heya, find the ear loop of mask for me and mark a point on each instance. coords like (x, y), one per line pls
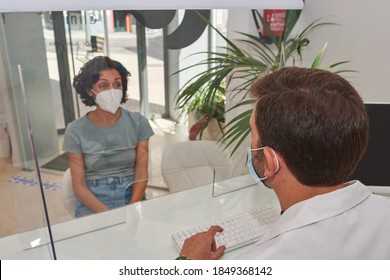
(94, 93)
(275, 158)
(277, 161)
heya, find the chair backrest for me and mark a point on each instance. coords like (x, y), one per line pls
(239, 159)
(190, 164)
(67, 195)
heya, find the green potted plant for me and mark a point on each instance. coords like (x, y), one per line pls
(244, 66)
(206, 116)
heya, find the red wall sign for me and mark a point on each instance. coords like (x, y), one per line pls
(276, 20)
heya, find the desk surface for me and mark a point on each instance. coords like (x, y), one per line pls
(139, 231)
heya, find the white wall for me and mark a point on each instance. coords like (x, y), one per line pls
(181, 59)
(362, 38)
(239, 20)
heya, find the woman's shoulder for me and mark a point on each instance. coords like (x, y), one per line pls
(78, 123)
(136, 116)
(139, 122)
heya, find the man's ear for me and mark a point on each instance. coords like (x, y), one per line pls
(271, 163)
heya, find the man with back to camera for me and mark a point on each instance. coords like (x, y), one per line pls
(309, 130)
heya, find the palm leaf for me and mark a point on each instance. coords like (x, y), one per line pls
(319, 57)
(245, 65)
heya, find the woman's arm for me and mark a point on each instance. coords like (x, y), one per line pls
(80, 188)
(141, 171)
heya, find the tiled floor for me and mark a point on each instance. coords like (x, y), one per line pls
(21, 205)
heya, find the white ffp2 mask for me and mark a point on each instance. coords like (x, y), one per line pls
(109, 100)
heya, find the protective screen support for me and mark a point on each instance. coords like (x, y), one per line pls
(37, 169)
(224, 182)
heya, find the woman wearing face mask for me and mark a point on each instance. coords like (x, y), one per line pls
(108, 147)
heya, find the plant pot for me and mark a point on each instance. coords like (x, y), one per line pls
(211, 132)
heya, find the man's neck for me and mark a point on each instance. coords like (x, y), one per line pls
(294, 192)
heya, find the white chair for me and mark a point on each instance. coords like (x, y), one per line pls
(67, 195)
(189, 164)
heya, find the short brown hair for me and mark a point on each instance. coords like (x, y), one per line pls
(89, 75)
(315, 119)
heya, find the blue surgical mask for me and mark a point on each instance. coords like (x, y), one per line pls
(259, 180)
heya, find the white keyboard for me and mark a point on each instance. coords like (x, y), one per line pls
(239, 230)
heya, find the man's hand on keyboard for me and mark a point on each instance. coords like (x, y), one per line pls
(201, 246)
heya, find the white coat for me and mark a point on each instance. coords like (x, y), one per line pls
(348, 223)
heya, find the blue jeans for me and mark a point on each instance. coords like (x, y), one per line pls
(114, 192)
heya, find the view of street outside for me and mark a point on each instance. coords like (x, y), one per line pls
(123, 48)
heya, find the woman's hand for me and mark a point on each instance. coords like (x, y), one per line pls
(141, 171)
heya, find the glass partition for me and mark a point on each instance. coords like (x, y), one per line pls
(23, 220)
(230, 184)
(51, 48)
(26, 217)
(150, 225)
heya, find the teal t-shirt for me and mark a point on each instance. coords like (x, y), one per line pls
(107, 151)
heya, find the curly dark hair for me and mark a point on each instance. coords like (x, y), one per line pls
(89, 75)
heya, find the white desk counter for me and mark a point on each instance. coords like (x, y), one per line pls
(139, 231)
